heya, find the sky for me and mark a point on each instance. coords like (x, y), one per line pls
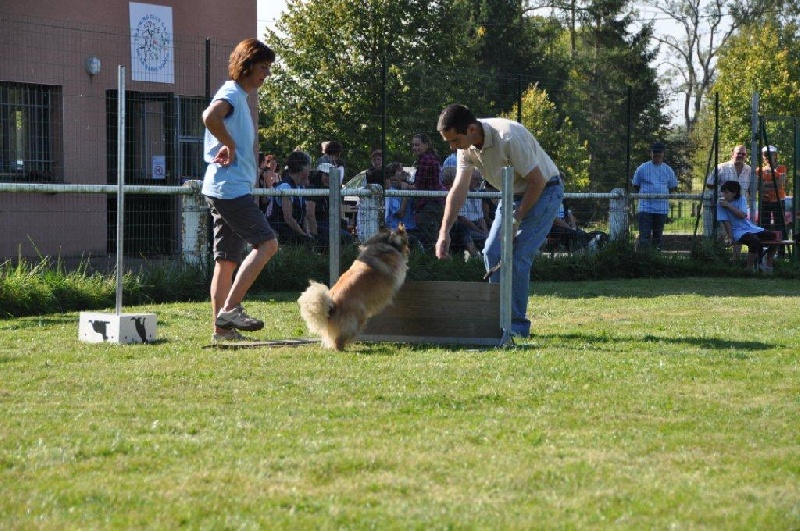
(267, 13)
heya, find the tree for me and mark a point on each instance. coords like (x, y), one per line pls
(764, 59)
(706, 27)
(514, 49)
(608, 60)
(557, 137)
(328, 82)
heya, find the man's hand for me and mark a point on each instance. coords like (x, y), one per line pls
(443, 247)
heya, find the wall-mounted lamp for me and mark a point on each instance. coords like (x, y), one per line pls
(92, 65)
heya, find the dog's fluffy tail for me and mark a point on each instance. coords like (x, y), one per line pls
(315, 307)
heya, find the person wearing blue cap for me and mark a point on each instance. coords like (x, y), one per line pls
(653, 177)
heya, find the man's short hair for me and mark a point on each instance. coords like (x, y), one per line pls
(456, 116)
(297, 161)
(333, 148)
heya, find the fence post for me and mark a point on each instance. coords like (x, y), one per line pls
(618, 215)
(194, 225)
(369, 209)
(708, 216)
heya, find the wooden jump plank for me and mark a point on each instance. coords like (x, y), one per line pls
(440, 312)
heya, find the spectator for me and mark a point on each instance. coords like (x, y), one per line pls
(398, 209)
(565, 230)
(773, 190)
(267, 178)
(450, 160)
(732, 211)
(318, 208)
(489, 204)
(332, 154)
(460, 236)
(290, 214)
(368, 212)
(471, 214)
(489, 145)
(374, 173)
(653, 177)
(734, 170)
(229, 150)
(428, 177)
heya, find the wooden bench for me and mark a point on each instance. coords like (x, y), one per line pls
(777, 240)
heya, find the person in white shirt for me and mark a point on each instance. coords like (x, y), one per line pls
(490, 144)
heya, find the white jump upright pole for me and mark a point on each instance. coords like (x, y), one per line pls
(336, 177)
(507, 253)
(120, 182)
(95, 327)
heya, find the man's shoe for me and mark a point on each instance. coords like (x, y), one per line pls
(237, 318)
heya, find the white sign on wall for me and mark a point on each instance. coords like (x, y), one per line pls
(152, 52)
(159, 165)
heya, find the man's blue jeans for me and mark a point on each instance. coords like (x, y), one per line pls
(531, 235)
(651, 229)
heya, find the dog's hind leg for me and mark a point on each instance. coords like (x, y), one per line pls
(348, 329)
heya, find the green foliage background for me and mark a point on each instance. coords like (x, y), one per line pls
(373, 73)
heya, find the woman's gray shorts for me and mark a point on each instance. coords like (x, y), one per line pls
(237, 221)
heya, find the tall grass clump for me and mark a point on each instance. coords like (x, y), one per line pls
(46, 286)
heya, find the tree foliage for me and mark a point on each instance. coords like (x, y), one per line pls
(764, 59)
(371, 73)
(705, 29)
(557, 137)
(609, 59)
(328, 82)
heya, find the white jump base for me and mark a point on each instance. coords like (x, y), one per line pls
(123, 328)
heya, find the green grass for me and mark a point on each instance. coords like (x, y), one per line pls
(639, 404)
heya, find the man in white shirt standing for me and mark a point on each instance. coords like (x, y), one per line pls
(489, 144)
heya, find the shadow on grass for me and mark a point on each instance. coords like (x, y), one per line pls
(603, 339)
(756, 286)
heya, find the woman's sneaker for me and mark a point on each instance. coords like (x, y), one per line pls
(228, 335)
(237, 318)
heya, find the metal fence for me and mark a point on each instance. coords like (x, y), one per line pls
(58, 149)
(188, 234)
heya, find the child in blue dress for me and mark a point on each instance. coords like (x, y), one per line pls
(732, 212)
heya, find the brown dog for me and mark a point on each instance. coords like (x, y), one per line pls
(364, 290)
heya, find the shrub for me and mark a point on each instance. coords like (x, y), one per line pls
(46, 287)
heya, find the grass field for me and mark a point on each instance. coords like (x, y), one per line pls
(638, 404)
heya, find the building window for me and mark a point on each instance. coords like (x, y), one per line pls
(159, 128)
(30, 133)
(190, 138)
